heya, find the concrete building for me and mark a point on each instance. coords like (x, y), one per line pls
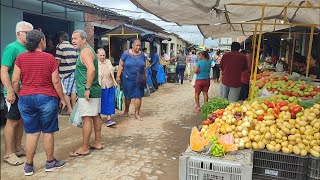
(49, 16)
(175, 44)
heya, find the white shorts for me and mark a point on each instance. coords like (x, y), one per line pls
(89, 108)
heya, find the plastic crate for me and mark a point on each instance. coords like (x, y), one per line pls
(194, 166)
(276, 165)
(314, 168)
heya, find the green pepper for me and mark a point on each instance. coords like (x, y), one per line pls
(264, 106)
(299, 114)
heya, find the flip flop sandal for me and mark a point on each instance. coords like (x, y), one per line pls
(76, 154)
(94, 148)
(20, 153)
(13, 160)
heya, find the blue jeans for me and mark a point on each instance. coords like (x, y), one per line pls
(180, 71)
(230, 93)
(39, 113)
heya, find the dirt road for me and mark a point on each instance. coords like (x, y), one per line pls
(147, 149)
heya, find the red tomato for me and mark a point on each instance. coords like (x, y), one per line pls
(292, 107)
(284, 103)
(313, 93)
(296, 109)
(295, 94)
(260, 118)
(271, 105)
(206, 122)
(276, 110)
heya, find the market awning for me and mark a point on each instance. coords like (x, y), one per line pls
(221, 18)
(125, 31)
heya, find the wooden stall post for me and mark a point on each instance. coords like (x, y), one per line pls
(257, 57)
(310, 50)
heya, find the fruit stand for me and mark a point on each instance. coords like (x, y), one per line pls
(278, 129)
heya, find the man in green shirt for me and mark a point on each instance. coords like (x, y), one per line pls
(13, 129)
(89, 93)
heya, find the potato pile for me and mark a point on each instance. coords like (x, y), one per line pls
(299, 136)
(275, 132)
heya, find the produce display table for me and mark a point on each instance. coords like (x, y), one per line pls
(233, 166)
(171, 73)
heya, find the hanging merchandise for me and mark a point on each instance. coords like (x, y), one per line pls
(118, 97)
(75, 118)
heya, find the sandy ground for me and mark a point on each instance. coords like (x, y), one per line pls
(147, 149)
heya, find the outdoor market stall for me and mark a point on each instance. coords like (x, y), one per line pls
(282, 130)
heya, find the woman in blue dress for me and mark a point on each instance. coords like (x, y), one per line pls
(132, 73)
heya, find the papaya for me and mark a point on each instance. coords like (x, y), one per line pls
(197, 143)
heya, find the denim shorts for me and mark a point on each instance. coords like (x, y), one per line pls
(39, 113)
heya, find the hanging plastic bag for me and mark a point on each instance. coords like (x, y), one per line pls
(264, 93)
(118, 97)
(279, 67)
(146, 91)
(193, 82)
(75, 118)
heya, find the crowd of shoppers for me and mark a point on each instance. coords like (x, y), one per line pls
(75, 73)
(40, 82)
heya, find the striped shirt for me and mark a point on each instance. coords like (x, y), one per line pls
(36, 73)
(67, 56)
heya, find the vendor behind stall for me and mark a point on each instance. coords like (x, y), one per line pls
(299, 64)
(314, 70)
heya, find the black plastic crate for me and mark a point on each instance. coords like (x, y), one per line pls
(276, 165)
(314, 168)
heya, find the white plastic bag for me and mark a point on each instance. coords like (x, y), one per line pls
(279, 67)
(75, 118)
(264, 93)
(193, 82)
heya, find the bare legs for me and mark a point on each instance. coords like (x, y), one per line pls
(48, 144)
(137, 107)
(197, 99)
(32, 143)
(70, 101)
(73, 99)
(97, 132)
(205, 97)
(127, 105)
(31, 146)
(86, 133)
(13, 132)
(67, 98)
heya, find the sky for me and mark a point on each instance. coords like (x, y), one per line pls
(125, 7)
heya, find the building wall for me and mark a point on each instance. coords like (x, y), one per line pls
(12, 12)
(9, 19)
(92, 20)
(176, 44)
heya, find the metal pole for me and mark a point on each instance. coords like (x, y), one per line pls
(293, 51)
(257, 56)
(109, 44)
(310, 49)
(253, 50)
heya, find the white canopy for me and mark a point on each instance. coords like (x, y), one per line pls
(215, 18)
